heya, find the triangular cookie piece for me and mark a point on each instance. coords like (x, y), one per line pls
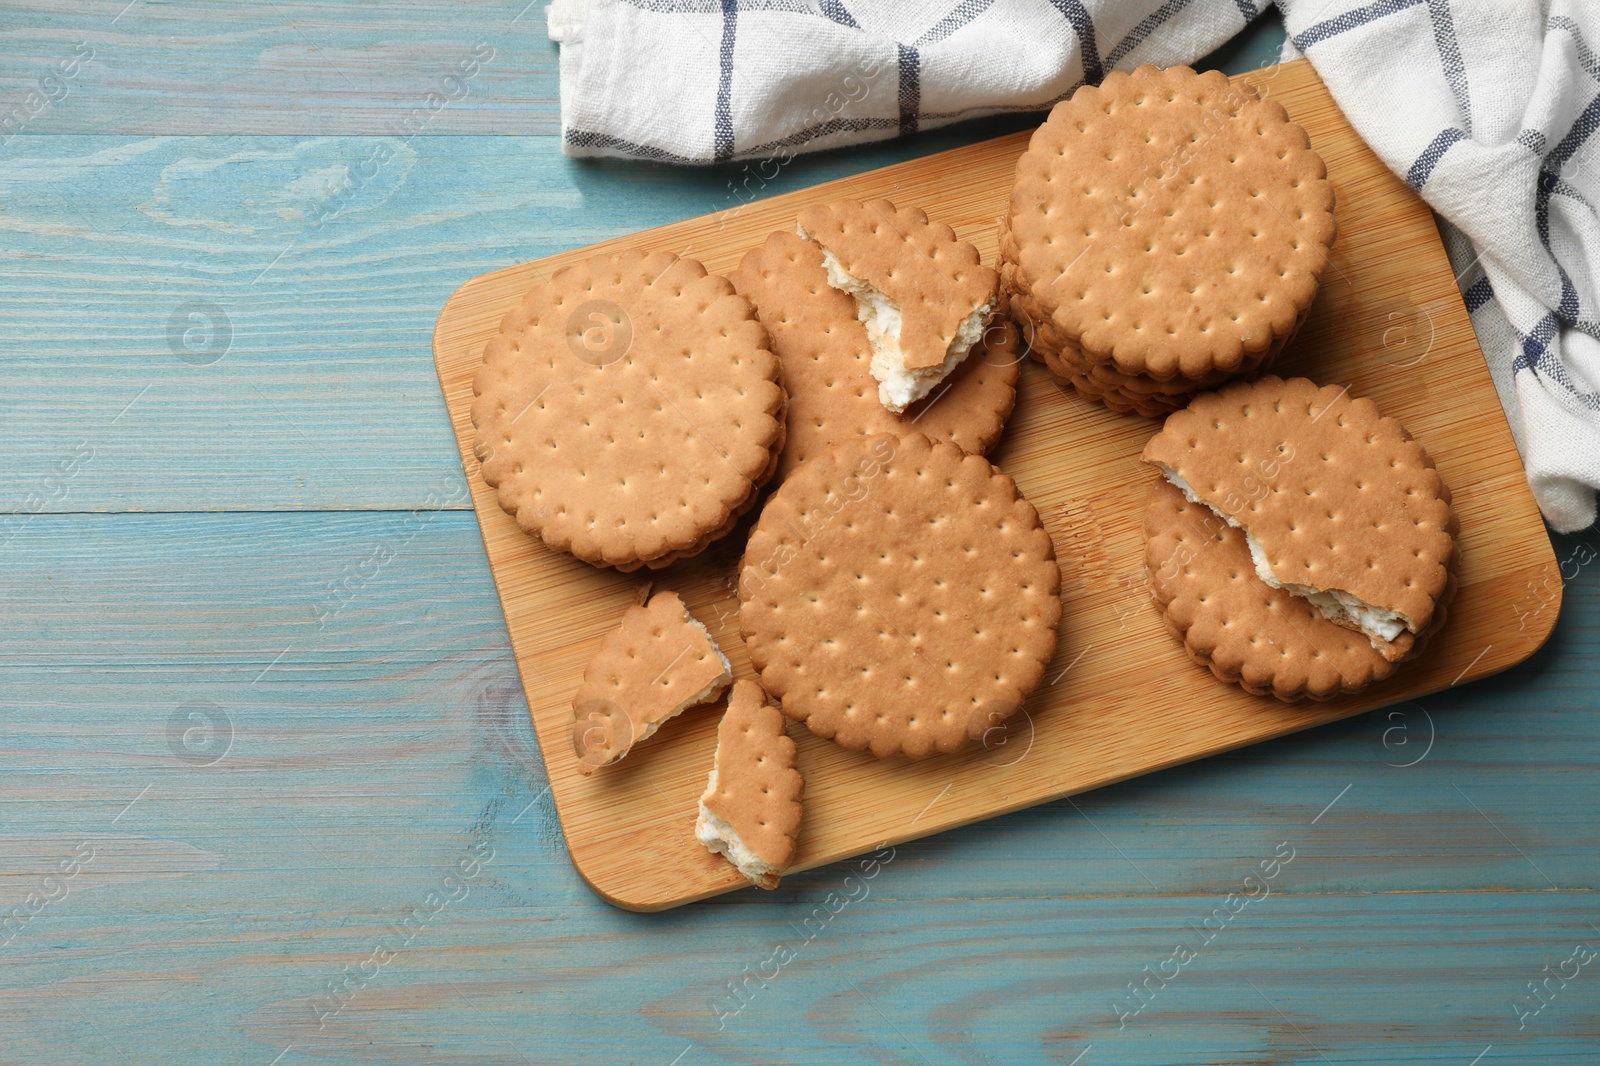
(657, 664)
(750, 811)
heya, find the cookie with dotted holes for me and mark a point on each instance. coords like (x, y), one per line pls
(1269, 641)
(656, 664)
(923, 296)
(1103, 382)
(1336, 502)
(823, 346)
(899, 596)
(750, 811)
(1168, 224)
(629, 410)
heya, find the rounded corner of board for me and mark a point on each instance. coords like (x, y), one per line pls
(447, 310)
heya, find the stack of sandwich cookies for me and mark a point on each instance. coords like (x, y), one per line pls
(899, 596)
(629, 410)
(1334, 502)
(654, 666)
(1120, 393)
(923, 296)
(750, 812)
(827, 356)
(1167, 232)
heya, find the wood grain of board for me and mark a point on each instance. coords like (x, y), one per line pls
(1121, 698)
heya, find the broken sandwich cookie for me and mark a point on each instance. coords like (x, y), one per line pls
(923, 296)
(654, 666)
(1335, 503)
(750, 811)
(827, 355)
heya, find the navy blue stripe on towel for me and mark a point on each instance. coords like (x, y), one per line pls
(724, 119)
(1444, 38)
(1418, 175)
(1350, 20)
(910, 88)
(835, 12)
(1140, 32)
(1083, 25)
(1477, 294)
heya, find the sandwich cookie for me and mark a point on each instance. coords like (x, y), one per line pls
(1335, 503)
(629, 410)
(1268, 640)
(827, 358)
(899, 596)
(750, 812)
(654, 666)
(1168, 227)
(923, 296)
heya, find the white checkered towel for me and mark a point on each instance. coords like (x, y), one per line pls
(1486, 107)
(707, 81)
(1490, 111)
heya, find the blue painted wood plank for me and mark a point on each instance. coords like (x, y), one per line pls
(193, 67)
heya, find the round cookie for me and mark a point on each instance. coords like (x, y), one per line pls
(899, 596)
(1103, 382)
(825, 353)
(1168, 224)
(629, 410)
(1338, 503)
(1269, 640)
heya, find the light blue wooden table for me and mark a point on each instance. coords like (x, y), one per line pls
(268, 790)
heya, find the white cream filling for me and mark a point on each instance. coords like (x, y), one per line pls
(720, 838)
(1380, 624)
(899, 387)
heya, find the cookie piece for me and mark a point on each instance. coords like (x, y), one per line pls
(1268, 640)
(654, 666)
(1168, 224)
(629, 410)
(750, 811)
(826, 359)
(1337, 503)
(899, 596)
(923, 296)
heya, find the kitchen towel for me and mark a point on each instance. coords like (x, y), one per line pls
(1489, 109)
(709, 81)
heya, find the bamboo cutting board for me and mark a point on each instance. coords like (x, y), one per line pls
(1121, 698)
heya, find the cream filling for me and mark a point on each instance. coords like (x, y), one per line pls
(721, 839)
(1380, 624)
(898, 386)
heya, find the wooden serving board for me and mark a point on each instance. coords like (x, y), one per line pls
(1121, 698)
